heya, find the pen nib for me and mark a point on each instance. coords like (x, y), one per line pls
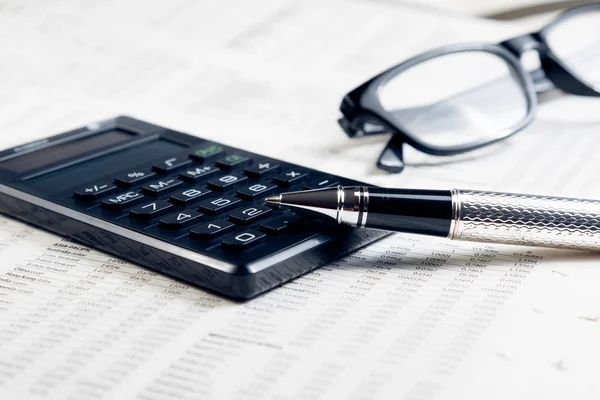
(274, 200)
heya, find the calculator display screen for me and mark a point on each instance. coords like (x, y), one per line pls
(49, 155)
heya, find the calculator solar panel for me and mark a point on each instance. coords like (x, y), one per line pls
(189, 208)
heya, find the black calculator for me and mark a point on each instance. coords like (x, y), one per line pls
(178, 204)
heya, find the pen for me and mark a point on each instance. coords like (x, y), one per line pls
(471, 215)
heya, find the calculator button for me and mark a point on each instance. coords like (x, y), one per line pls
(243, 240)
(195, 173)
(180, 219)
(290, 177)
(261, 168)
(212, 229)
(207, 151)
(219, 204)
(281, 224)
(253, 191)
(162, 186)
(250, 214)
(321, 183)
(134, 177)
(123, 200)
(94, 191)
(172, 163)
(226, 181)
(150, 210)
(232, 160)
(189, 196)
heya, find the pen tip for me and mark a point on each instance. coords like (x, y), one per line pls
(274, 200)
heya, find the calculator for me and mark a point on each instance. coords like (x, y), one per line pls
(175, 203)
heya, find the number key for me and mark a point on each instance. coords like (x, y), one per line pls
(243, 240)
(219, 204)
(250, 214)
(189, 196)
(256, 190)
(226, 181)
(212, 229)
(180, 220)
(150, 210)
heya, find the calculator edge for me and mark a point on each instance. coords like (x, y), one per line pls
(235, 281)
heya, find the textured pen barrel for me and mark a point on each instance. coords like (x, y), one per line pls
(525, 220)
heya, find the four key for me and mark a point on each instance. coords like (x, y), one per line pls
(212, 229)
(93, 191)
(150, 210)
(243, 240)
(180, 220)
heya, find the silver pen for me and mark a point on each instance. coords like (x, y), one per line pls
(478, 216)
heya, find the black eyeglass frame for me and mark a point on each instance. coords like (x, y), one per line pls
(363, 114)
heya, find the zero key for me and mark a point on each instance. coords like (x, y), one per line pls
(243, 240)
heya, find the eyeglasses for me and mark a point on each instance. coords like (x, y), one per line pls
(460, 98)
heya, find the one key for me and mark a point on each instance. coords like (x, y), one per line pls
(254, 191)
(123, 200)
(161, 186)
(172, 163)
(189, 196)
(206, 152)
(232, 160)
(196, 173)
(290, 177)
(94, 191)
(281, 224)
(321, 183)
(133, 177)
(180, 220)
(219, 204)
(150, 210)
(212, 229)
(250, 214)
(261, 168)
(243, 240)
(226, 181)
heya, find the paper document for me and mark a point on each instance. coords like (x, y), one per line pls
(409, 317)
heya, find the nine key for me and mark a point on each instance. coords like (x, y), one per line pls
(226, 181)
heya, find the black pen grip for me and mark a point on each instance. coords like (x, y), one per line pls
(427, 212)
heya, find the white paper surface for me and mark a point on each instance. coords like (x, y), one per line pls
(406, 318)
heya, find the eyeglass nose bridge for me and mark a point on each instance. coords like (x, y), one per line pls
(524, 43)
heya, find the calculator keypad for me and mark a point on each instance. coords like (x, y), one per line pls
(210, 200)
